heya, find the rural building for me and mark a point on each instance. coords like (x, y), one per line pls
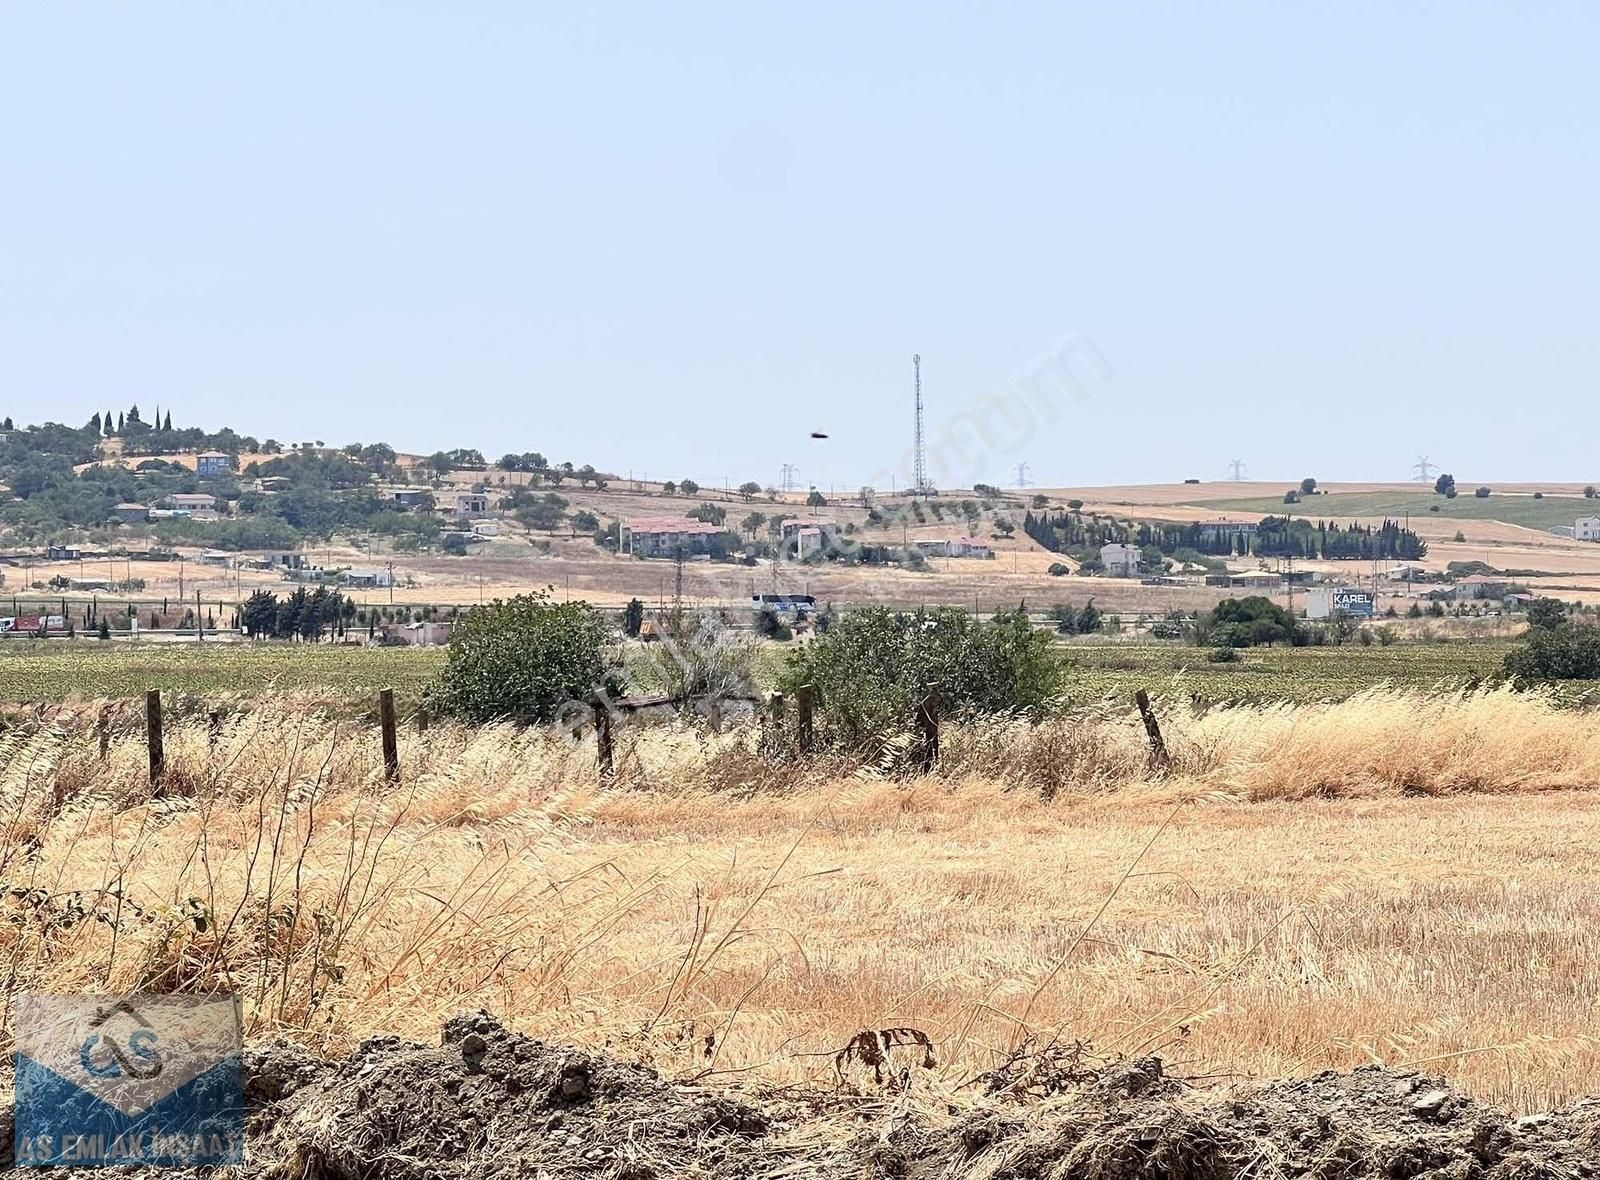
(1587, 528)
(415, 634)
(63, 553)
(1121, 561)
(214, 557)
(811, 535)
(1240, 533)
(1479, 586)
(367, 579)
(131, 513)
(666, 536)
(468, 504)
(407, 497)
(1516, 602)
(210, 463)
(191, 501)
(970, 547)
(1564, 530)
(1258, 580)
(272, 483)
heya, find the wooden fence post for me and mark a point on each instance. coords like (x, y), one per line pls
(1160, 760)
(104, 728)
(214, 728)
(772, 724)
(422, 718)
(928, 731)
(802, 702)
(152, 730)
(391, 739)
(605, 752)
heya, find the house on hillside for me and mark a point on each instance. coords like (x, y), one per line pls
(1121, 561)
(212, 463)
(215, 557)
(1587, 528)
(407, 497)
(1240, 534)
(467, 505)
(191, 501)
(810, 535)
(131, 513)
(667, 536)
(970, 547)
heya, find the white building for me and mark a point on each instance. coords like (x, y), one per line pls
(1587, 528)
(1121, 561)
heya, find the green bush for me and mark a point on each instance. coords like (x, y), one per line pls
(872, 668)
(522, 659)
(1557, 653)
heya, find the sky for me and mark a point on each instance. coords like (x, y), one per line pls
(1130, 242)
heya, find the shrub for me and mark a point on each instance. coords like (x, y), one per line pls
(522, 659)
(1460, 536)
(1057, 570)
(700, 655)
(1246, 622)
(1223, 655)
(454, 545)
(1557, 653)
(1547, 613)
(1483, 493)
(872, 668)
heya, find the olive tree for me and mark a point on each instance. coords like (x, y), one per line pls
(522, 659)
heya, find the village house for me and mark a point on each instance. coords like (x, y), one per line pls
(424, 634)
(131, 513)
(367, 579)
(1121, 561)
(970, 547)
(1587, 528)
(667, 536)
(1480, 586)
(191, 501)
(407, 497)
(212, 463)
(470, 504)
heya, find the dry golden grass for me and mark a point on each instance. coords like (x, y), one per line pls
(1396, 878)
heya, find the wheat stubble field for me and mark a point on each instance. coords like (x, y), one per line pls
(1396, 878)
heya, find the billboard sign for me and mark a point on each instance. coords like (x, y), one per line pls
(1358, 604)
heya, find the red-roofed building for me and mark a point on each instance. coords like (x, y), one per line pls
(666, 536)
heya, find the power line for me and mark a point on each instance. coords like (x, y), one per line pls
(1238, 468)
(1423, 468)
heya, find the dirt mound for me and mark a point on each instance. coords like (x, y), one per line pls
(490, 1103)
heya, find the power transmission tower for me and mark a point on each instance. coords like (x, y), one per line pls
(919, 478)
(789, 471)
(1423, 468)
(1022, 476)
(1237, 467)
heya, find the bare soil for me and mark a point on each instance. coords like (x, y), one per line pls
(487, 1102)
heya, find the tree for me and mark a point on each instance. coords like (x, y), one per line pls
(585, 521)
(1245, 622)
(709, 513)
(1040, 500)
(1589, 492)
(1445, 485)
(105, 629)
(752, 523)
(669, 488)
(1075, 505)
(1547, 613)
(816, 499)
(700, 655)
(1308, 486)
(454, 545)
(1483, 493)
(1557, 653)
(874, 666)
(1004, 527)
(259, 618)
(750, 489)
(689, 487)
(525, 659)
(633, 618)
(168, 426)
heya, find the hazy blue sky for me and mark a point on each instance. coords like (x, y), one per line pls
(1321, 238)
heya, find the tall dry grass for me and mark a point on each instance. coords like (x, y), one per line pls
(719, 911)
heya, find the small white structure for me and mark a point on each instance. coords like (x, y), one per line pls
(1587, 528)
(1121, 561)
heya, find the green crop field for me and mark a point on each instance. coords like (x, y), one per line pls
(32, 672)
(1519, 509)
(56, 670)
(1277, 673)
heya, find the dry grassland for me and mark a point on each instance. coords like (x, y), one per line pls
(1398, 878)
